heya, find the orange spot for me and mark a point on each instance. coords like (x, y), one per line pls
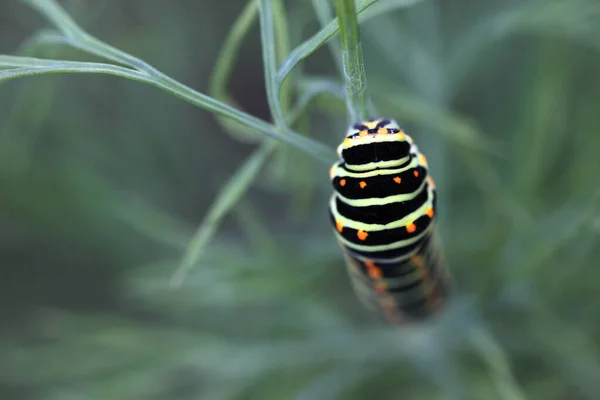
(372, 270)
(374, 273)
(362, 184)
(397, 180)
(382, 131)
(410, 228)
(362, 235)
(429, 212)
(339, 226)
(422, 159)
(342, 182)
(363, 133)
(370, 264)
(416, 173)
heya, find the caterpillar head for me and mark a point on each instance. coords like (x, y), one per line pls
(376, 143)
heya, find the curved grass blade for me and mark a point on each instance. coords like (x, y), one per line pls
(80, 39)
(240, 182)
(325, 15)
(312, 88)
(311, 45)
(70, 67)
(267, 36)
(228, 196)
(224, 67)
(282, 47)
(63, 21)
(169, 85)
(28, 112)
(365, 10)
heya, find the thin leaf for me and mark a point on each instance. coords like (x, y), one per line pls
(325, 15)
(311, 89)
(80, 39)
(365, 9)
(228, 197)
(68, 67)
(311, 45)
(224, 67)
(63, 21)
(282, 47)
(267, 35)
(229, 50)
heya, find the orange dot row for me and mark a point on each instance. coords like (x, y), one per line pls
(362, 235)
(363, 184)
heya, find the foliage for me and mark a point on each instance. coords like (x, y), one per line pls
(103, 181)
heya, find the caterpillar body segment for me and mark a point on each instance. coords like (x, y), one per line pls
(383, 212)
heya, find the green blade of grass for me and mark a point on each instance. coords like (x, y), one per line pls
(169, 85)
(325, 16)
(311, 88)
(275, 39)
(226, 60)
(228, 196)
(352, 59)
(51, 10)
(28, 112)
(282, 47)
(224, 67)
(366, 9)
(311, 45)
(267, 36)
(83, 41)
(71, 67)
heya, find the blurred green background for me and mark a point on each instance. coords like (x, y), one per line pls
(103, 182)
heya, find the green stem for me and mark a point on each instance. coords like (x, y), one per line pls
(267, 35)
(352, 58)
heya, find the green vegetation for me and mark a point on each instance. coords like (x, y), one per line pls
(156, 248)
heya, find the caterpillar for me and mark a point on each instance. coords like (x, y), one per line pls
(383, 210)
